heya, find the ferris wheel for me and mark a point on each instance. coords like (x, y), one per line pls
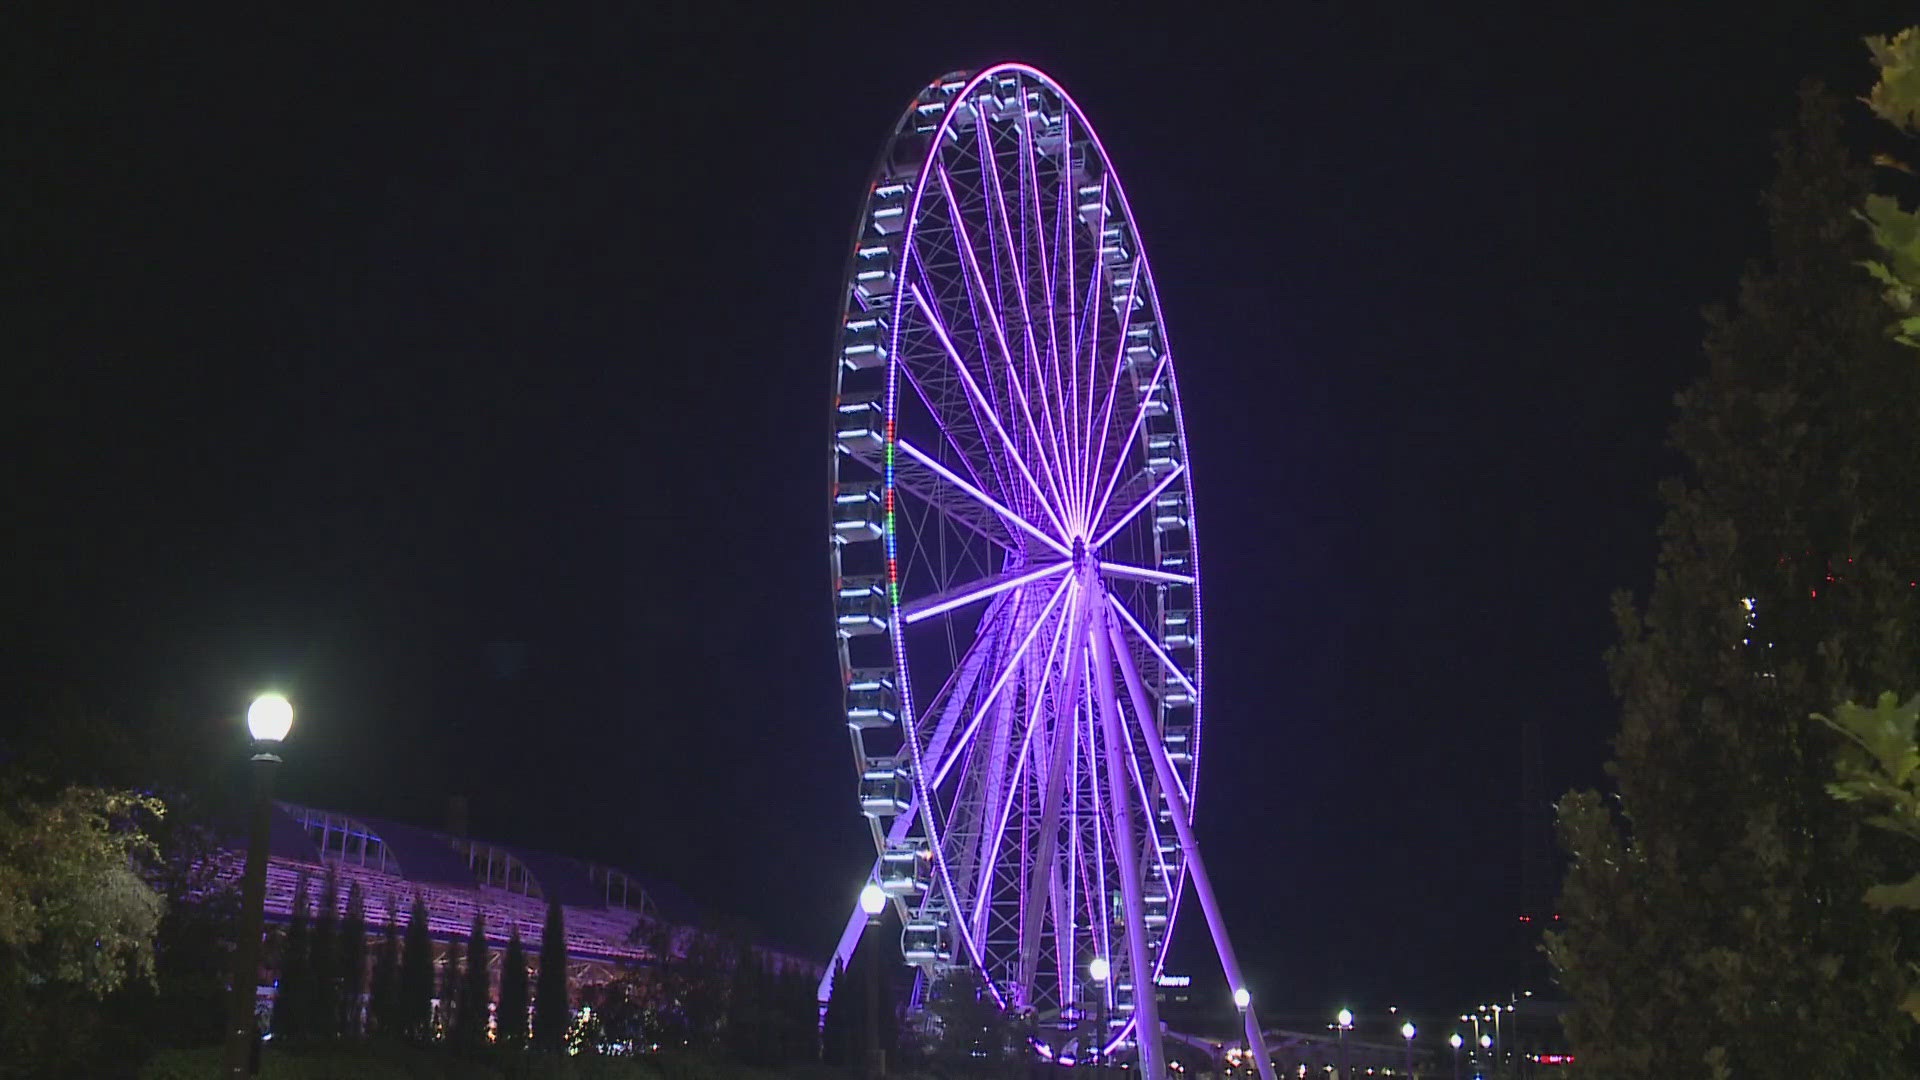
(1016, 581)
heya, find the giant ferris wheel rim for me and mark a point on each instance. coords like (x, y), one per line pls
(968, 84)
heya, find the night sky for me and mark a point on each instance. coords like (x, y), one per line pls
(468, 380)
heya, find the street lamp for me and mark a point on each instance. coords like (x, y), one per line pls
(873, 900)
(1407, 1032)
(269, 719)
(1345, 1020)
(1454, 1040)
(1099, 970)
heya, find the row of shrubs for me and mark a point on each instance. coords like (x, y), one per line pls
(403, 1062)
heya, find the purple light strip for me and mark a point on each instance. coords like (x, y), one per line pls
(1145, 500)
(987, 500)
(1030, 183)
(919, 614)
(1141, 573)
(990, 170)
(994, 320)
(981, 401)
(1019, 767)
(1119, 461)
(1062, 244)
(1113, 384)
(1158, 652)
(1013, 662)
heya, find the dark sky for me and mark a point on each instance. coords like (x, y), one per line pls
(468, 379)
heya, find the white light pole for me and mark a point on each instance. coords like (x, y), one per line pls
(269, 719)
(1099, 971)
(873, 900)
(1345, 1019)
(1454, 1040)
(1407, 1032)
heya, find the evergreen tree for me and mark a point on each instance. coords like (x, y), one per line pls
(1716, 927)
(513, 993)
(475, 995)
(415, 1008)
(353, 965)
(840, 1028)
(292, 1001)
(745, 1029)
(551, 1013)
(323, 1021)
(384, 999)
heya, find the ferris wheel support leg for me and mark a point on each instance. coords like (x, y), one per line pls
(1146, 1010)
(1183, 824)
(857, 922)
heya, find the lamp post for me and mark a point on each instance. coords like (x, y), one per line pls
(1099, 970)
(269, 719)
(1486, 1042)
(1454, 1040)
(1345, 1020)
(873, 900)
(1407, 1032)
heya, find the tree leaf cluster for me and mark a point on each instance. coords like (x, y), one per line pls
(1711, 916)
(1895, 98)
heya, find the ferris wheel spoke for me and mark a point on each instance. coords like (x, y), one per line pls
(999, 684)
(1139, 417)
(985, 405)
(971, 261)
(962, 595)
(1100, 436)
(1141, 504)
(1160, 654)
(1067, 450)
(993, 838)
(985, 499)
(1141, 573)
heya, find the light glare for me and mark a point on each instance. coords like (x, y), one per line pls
(269, 718)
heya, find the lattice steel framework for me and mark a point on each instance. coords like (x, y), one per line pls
(1016, 581)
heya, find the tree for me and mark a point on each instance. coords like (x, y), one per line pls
(475, 996)
(450, 991)
(513, 993)
(384, 998)
(973, 1036)
(1711, 923)
(1895, 98)
(292, 1005)
(551, 1013)
(323, 1020)
(353, 965)
(77, 920)
(415, 1007)
(1879, 768)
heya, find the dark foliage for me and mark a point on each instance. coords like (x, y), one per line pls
(383, 1006)
(475, 997)
(353, 966)
(293, 1003)
(323, 1019)
(512, 1022)
(415, 1008)
(551, 1011)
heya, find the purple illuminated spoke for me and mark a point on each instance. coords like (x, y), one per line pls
(1069, 450)
(985, 499)
(1141, 573)
(1120, 460)
(928, 607)
(1159, 653)
(999, 684)
(1019, 768)
(998, 325)
(985, 405)
(1098, 436)
(1144, 502)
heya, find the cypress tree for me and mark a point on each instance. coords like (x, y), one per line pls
(1715, 927)
(415, 1007)
(292, 1000)
(841, 1026)
(551, 1013)
(474, 990)
(323, 1020)
(384, 999)
(353, 965)
(512, 1022)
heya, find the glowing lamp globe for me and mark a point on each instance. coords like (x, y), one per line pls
(1486, 1041)
(1241, 999)
(872, 899)
(269, 718)
(1454, 1040)
(1345, 1018)
(1098, 969)
(1407, 1030)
